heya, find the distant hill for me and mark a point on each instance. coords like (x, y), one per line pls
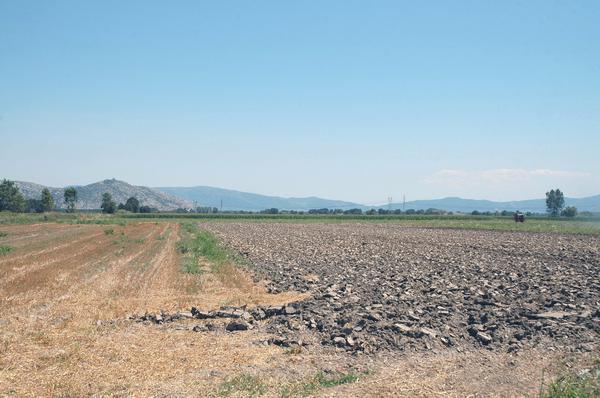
(236, 200)
(171, 198)
(90, 196)
(591, 203)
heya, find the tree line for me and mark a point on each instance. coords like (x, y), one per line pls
(132, 204)
(11, 199)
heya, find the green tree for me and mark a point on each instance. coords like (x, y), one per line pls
(569, 211)
(70, 199)
(108, 205)
(33, 206)
(47, 200)
(272, 210)
(555, 201)
(132, 205)
(11, 198)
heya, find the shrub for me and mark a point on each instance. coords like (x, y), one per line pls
(569, 211)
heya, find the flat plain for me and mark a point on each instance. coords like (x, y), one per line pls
(318, 309)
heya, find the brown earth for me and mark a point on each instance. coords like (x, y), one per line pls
(66, 292)
(380, 287)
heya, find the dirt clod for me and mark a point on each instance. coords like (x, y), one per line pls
(396, 288)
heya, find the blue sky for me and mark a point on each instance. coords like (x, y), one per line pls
(352, 100)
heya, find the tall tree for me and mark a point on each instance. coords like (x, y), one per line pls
(108, 205)
(555, 201)
(11, 198)
(132, 205)
(70, 199)
(47, 200)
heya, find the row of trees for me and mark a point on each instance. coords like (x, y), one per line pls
(356, 211)
(11, 199)
(42, 205)
(206, 209)
(132, 204)
(568, 211)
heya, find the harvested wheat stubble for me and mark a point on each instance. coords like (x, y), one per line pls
(62, 289)
(388, 287)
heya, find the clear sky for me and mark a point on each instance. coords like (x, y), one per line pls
(354, 100)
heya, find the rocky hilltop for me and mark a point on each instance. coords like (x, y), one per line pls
(90, 196)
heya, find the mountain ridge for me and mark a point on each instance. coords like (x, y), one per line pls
(239, 200)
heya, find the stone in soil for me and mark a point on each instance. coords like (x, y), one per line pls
(399, 288)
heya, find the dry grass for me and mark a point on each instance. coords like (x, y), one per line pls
(56, 288)
(477, 373)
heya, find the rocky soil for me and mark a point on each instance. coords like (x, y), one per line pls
(386, 287)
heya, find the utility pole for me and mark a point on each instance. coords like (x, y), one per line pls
(221, 206)
(390, 199)
(403, 202)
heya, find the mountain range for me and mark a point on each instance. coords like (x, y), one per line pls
(171, 198)
(236, 200)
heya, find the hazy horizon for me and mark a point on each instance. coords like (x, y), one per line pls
(342, 100)
(398, 200)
